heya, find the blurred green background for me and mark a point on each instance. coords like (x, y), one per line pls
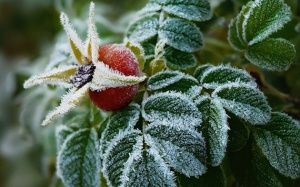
(32, 39)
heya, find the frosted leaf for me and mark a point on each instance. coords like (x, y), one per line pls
(246, 102)
(181, 35)
(179, 60)
(151, 6)
(201, 69)
(78, 162)
(120, 121)
(235, 35)
(149, 170)
(143, 28)
(105, 77)
(214, 128)
(171, 107)
(121, 153)
(57, 76)
(238, 133)
(92, 45)
(251, 168)
(264, 18)
(68, 102)
(174, 81)
(272, 54)
(193, 10)
(181, 147)
(61, 134)
(163, 79)
(77, 45)
(280, 143)
(220, 75)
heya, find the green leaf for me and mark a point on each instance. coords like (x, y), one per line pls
(238, 134)
(193, 10)
(264, 18)
(235, 35)
(174, 81)
(78, 162)
(143, 28)
(171, 107)
(214, 177)
(181, 147)
(181, 35)
(179, 60)
(246, 102)
(280, 143)
(120, 121)
(272, 54)
(150, 170)
(220, 75)
(201, 69)
(214, 128)
(61, 134)
(251, 168)
(125, 149)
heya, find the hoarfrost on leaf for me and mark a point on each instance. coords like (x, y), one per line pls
(246, 102)
(180, 34)
(120, 121)
(174, 81)
(272, 54)
(280, 143)
(215, 128)
(201, 69)
(78, 162)
(120, 155)
(171, 107)
(61, 134)
(264, 18)
(150, 170)
(220, 75)
(181, 147)
(143, 28)
(179, 60)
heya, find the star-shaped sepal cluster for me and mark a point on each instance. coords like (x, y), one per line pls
(88, 74)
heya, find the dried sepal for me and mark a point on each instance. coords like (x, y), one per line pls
(68, 102)
(57, 76)
(92, 45)
(104, 78)
(76, 43)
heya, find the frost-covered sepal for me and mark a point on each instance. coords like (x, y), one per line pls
(181, 147)
(149, 170)
(180, 34)
(122, 152)
(272, 54)
(143, 28)
(68, 102)
(214, 128)
(174, 81)
(280, 143)
(171, 108)
(246, 102)
(220, 75)
(105, 77)
(119, 122)
(78, 162)
(57, 76)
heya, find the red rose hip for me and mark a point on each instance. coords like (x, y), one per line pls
(119, 58)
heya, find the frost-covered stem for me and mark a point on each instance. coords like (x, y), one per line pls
(161, 17)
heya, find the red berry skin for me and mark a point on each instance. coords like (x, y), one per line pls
(119, 58)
